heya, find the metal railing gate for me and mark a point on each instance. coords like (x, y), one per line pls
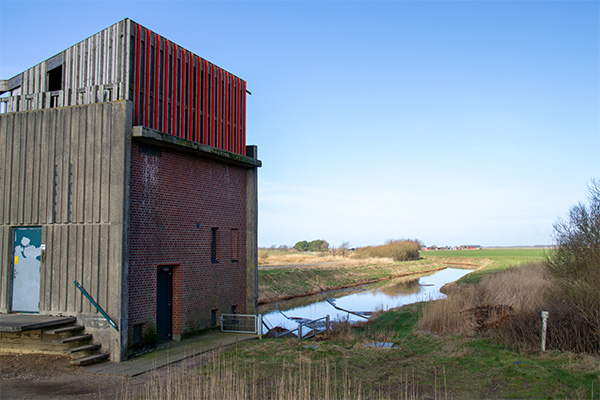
(242, 323)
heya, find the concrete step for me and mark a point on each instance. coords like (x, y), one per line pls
(96, 358)
(87, 347)
(71, 339)
(67, 329)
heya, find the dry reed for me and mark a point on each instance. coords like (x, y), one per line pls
(226, 377)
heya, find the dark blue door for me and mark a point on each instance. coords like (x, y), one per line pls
(164, 301)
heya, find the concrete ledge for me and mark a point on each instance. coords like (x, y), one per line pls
(160, 139)
(28, 322)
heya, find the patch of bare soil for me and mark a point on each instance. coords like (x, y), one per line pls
(41, 376)
(37, 376)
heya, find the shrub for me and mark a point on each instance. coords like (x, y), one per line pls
(398, 250)
(493, 304)
(574, 267)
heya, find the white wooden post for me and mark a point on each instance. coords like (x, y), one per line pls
(259, 326)
(544, 326)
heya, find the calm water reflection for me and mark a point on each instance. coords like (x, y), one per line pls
(378, 296)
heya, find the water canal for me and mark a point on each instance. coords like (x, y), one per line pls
(372, 297)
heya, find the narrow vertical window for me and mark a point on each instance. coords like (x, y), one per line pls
(235, 240)
(213, 317)
(213, 245)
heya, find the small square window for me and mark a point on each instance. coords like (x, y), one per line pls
(138, 333)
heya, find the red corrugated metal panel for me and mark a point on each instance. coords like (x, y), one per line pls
(147, 75)
(182, 82)
(199, 137)
(219, 108)
(165, 77)
(136, 87)
(173, 93)
(181, 94)
(226, 113)
(243, 119)
(156, 80)
(190, 98)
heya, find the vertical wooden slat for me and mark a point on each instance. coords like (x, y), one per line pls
(124, 57)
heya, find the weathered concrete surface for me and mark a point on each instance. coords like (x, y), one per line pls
(67, 171)
(252, 237)
(27, 322)
(171, 353)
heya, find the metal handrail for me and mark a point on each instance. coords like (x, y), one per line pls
(100, 310)
(357, 313)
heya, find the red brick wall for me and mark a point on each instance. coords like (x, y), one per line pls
(175, 200)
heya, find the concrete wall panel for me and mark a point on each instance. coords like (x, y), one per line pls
(66, 169)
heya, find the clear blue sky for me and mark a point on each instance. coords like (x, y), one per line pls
(467, 122)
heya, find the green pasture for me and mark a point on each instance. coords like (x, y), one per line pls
(499, 258)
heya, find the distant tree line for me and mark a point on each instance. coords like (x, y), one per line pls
(314, 245)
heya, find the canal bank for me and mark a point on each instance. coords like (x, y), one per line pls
(381, 295)
(288, 282)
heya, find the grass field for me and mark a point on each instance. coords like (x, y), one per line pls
(488, 260)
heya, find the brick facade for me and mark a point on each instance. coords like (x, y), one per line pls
(176, 200)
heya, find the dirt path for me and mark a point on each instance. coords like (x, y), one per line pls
(34, 376)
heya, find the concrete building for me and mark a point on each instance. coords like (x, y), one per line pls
(124, 168)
